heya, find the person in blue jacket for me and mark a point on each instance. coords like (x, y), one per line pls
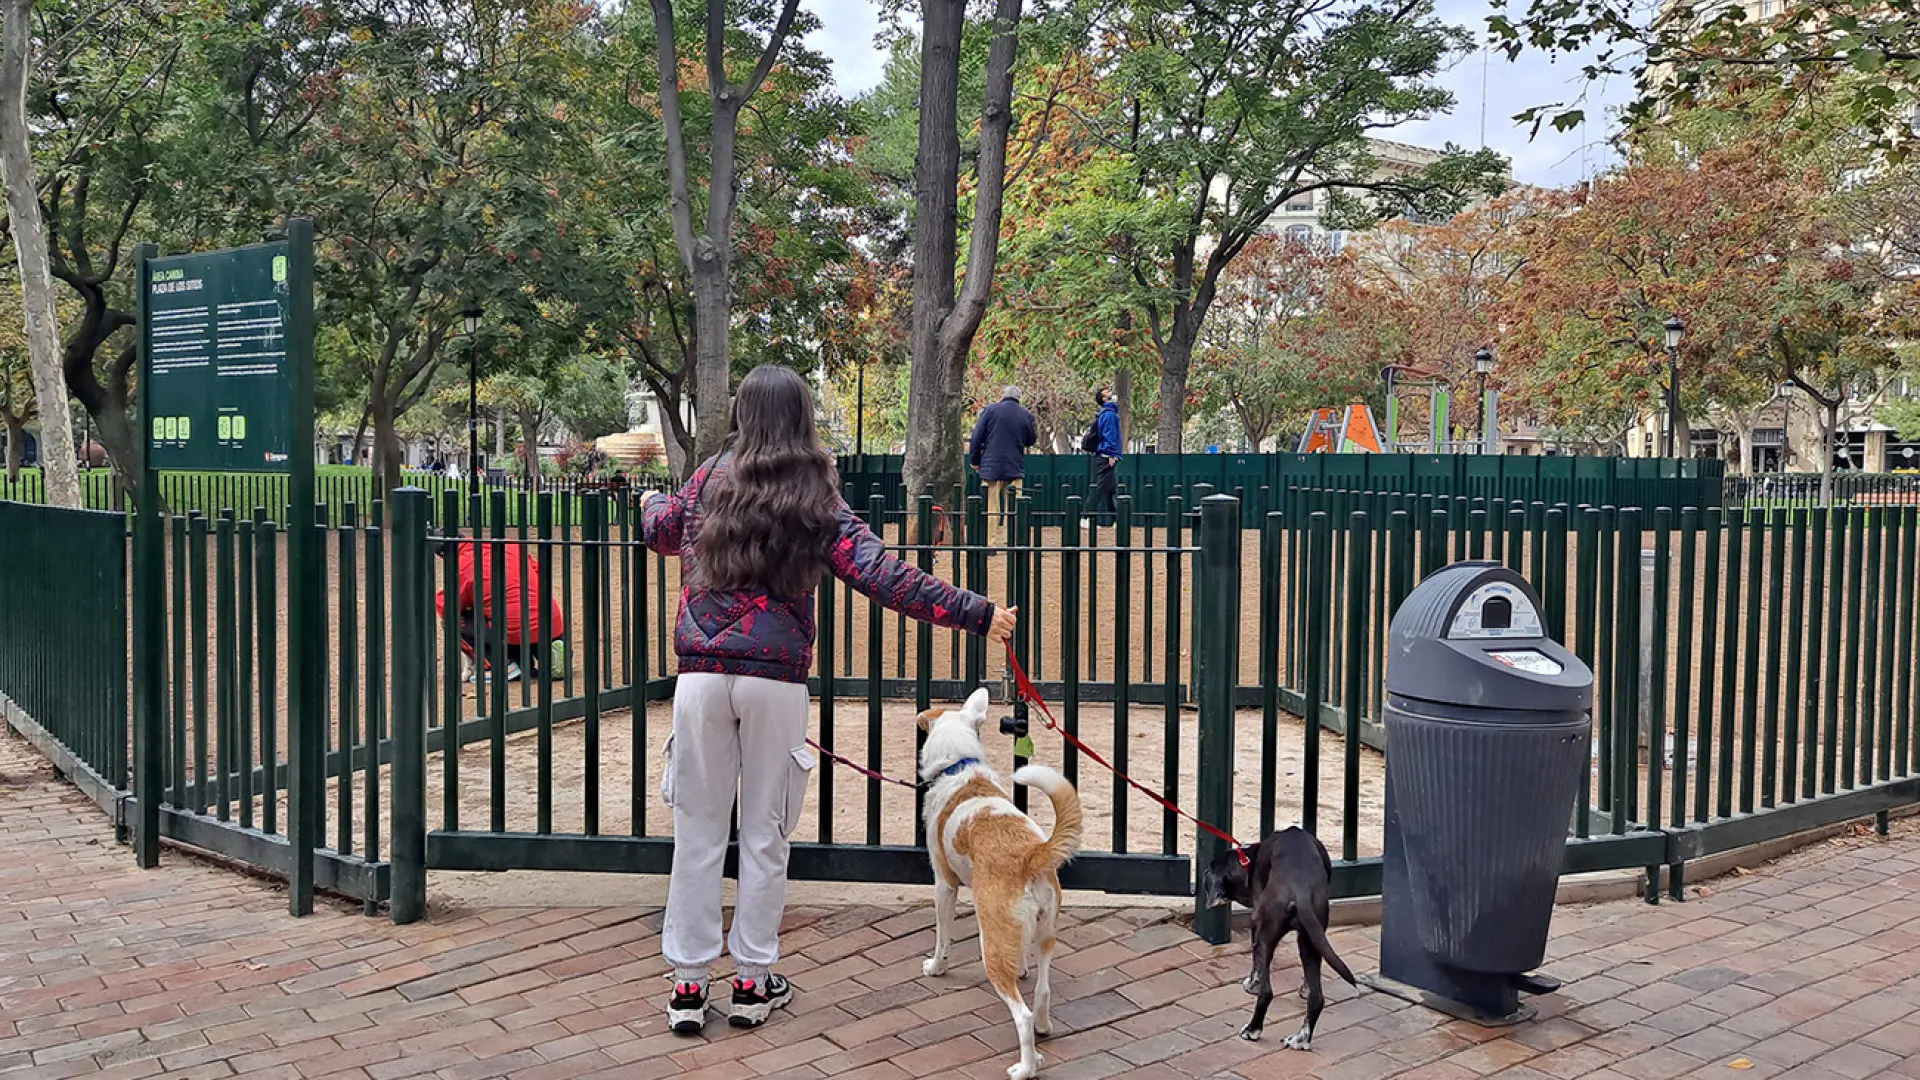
(1104, 436)
(998, 451)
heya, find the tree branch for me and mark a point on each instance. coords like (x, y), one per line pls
(678, 198)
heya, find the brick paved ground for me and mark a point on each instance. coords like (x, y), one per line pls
(1808, 969)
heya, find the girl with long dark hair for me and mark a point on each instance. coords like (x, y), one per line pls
(756, 529)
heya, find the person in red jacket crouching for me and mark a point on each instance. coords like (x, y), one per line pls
(528, 632)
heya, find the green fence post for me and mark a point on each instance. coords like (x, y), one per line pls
(1272, 538)
(1776, 625)
(1903, 727)
(1626, 712)
(1359, 582)
(1586, 647)
(408, 712)
(1796, 639)
(1170, 780)
(1070, 614)
(1316, 627)
(1683, 664)
(1219, 656)
(1657, 685)
(592, 678)
(1729, 741)
(306, 599)
(1855, 520)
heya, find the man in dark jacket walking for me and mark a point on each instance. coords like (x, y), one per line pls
(1105, 437)
(998, 451)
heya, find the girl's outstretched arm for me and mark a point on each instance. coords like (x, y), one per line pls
(663, 518)
(861, 560)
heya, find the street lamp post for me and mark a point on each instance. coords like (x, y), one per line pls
(1675, 330)
(472, 320)
(1483, 367)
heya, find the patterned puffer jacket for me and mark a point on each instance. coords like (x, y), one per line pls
(771, 637)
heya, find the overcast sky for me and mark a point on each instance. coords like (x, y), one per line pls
(1550, 159)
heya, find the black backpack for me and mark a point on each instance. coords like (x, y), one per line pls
(1090, 442)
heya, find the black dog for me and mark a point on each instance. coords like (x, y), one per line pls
(1286, 887)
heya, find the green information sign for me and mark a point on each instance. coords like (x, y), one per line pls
(219, 395)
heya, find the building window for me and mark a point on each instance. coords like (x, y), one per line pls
(1300, 233)
(1300, 202)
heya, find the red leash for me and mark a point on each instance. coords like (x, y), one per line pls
(1027, 690)
(859, 768)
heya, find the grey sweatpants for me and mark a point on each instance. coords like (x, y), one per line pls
(732, 733)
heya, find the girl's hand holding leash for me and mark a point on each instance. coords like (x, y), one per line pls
(1004, 619)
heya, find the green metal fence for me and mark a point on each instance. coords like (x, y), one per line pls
(1753, 670)
(63, 640)
(1052, 478)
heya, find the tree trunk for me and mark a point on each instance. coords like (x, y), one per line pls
(933, 409)
(16, 445)
(386, 442)
(712, 355)
(944, 323)
(708, 256)
(530, 449)
(1123, 393)
(58, 462)
(1827, 439)
(1176, 360)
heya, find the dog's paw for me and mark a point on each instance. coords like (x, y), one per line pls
(1021, 1072)
(1251, 1033)
(932, 967)
(1299, 1040)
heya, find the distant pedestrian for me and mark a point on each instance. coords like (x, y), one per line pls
(998, 451)
(1102, 440)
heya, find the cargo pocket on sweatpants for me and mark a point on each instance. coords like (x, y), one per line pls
(667, 785)
(799, 773)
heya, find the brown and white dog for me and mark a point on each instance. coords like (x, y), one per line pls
(977, 837)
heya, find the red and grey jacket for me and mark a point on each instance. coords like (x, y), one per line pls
(771, 637)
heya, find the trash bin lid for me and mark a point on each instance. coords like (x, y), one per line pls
(1472, 634)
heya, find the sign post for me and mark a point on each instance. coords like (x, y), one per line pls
(149, 615)
(226, 385)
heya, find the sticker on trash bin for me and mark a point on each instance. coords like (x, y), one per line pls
(1494, 610)
(1531, 661)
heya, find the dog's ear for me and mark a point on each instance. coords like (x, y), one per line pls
(976, 708)
(927, 718)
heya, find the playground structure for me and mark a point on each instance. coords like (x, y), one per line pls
(1353, 430)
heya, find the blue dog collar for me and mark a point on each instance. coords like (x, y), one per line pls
(955, 768)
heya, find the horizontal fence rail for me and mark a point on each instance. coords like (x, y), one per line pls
(338, 490)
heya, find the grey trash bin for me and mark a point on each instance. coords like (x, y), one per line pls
(1487, 722)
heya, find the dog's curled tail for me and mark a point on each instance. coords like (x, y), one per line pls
(1066, 816)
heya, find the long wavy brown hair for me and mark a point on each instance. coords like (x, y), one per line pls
(772, 515)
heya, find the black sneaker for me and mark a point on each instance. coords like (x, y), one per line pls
(754, 1001)
(687, 1012)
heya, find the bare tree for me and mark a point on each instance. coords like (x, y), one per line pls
(945, 319)
(708, 255)
(57, 459)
